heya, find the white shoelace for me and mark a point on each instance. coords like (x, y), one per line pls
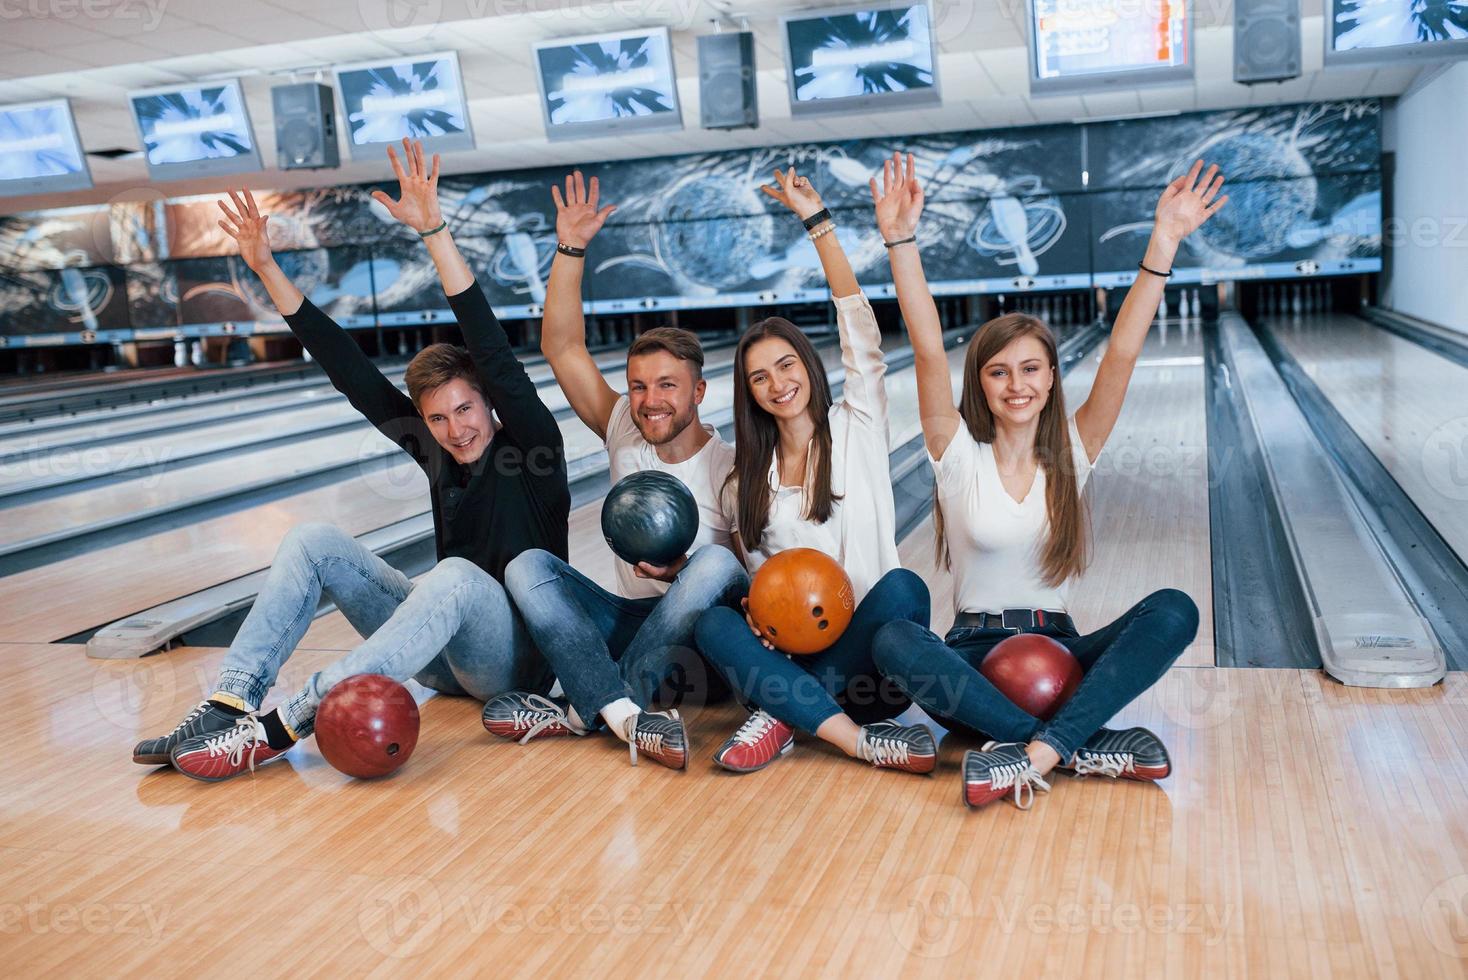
(231, 744)
(199, 709)
(1112, 764)
(754, 728)
(542, 714)
(646, 741)
(881, 750)
(1023, 777)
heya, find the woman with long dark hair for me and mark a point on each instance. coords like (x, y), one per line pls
(813, 473)
(1009, 466)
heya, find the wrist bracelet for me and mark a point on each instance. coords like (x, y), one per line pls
(830, 227)
(824, 214)
(901, 241)
(571, 250)
(434, 231)
(1161, 275)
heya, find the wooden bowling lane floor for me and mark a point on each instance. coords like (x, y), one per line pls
(1308, 830)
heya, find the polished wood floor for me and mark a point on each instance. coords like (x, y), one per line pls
(1308, 830)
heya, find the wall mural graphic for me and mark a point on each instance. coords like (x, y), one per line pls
(1007, 210)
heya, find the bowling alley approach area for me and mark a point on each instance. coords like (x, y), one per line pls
(815, 489)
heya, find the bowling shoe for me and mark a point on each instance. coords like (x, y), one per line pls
(995, 770)
(888, 745)
(207, 718)
(758, 742)
(658, 734)
(1133, 753)
(226, 754)
(522, 715)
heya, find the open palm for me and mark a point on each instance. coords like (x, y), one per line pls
(578, 218)
(1187, 202)
(246, 225)
(417, 203)
(900, 202)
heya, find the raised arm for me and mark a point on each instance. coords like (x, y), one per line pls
(797, 194)
(511, 393)
(1185, 204)
(563, 330)
(350, 370)
(899, 205)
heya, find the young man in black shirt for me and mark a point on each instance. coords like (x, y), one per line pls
(498, 487)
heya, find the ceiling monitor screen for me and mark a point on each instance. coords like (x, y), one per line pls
(1359, 32)
(863, 59)
(608, 84)
(195, 130)
(421, 97)
(39, 149)
(1082, 45)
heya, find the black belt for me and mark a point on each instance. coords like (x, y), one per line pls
(1016, 621)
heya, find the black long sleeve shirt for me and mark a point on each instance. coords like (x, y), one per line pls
(515, 496)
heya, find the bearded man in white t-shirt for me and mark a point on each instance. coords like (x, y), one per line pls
(611, 652)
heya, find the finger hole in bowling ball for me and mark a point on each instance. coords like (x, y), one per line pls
(823, 624)
(818, 612)
(772, 630)
(392, 749)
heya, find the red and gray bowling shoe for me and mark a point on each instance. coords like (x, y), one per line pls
(1000, 769)
(225, 754)
(759, 741)
(207, 718)
(523, 715)
(1132, 753)
(888, 745)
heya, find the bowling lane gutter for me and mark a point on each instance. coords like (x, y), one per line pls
(213, 618)
(227, 398)
(1439, 340)
(1434, 574)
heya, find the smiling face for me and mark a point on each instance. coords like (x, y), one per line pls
(777, 378)
(459, 418)
(1017, 381)
(663, 395)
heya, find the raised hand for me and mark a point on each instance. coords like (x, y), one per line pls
(1187, 202)
(577, 217)
(899, 204)
(417, 203)
(246, 225)
(795, 193)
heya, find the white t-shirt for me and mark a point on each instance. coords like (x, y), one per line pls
(703, 473)
(994, 541)
(862, 531)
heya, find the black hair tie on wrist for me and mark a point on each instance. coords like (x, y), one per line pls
(434, 231)
(901, 241)
(571, 250)
(1161, 275)
(824, 214)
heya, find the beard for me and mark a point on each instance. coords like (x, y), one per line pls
(669, 430)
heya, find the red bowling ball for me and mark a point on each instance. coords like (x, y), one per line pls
(1035, 672)
(367, 726)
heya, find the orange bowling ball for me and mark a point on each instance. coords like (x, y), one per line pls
(1035, 672)
(801, 600)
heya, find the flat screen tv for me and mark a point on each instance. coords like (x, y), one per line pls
(1364, 32)
(608, 84)
(1088, 45)
(39, 149)
(420, 97)
(861, 59)
(195, 130)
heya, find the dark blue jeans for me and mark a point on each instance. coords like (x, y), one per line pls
(1120, 662)
(805, 691)
(604, 647)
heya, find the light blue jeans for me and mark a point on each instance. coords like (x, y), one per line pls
(454, 630)
(604, 647)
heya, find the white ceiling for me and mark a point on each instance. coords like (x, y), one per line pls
(94, 51)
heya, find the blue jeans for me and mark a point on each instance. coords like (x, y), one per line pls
(806, 691)
(454, 630)
(1120, 662)
(604, 647)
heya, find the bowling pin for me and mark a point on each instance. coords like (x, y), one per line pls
(196, 355)
(1162, 309)
(180, 353)
(1297, 305)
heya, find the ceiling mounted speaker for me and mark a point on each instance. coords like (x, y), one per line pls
(726, 92)
(305, 126)
(1266, 40)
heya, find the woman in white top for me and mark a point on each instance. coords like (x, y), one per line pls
(812, 474)
(1009, 466)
